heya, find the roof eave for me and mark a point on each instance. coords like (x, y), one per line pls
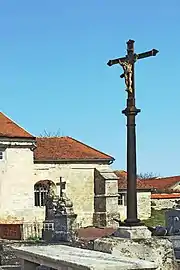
(77, 160)
(138, 189)
(15, 138)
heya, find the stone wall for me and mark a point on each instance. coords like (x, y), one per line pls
(106, 198)
(19, 174)
(143, 204)
(176, 187)
(79, 186)
(16, 185)
(159, 204)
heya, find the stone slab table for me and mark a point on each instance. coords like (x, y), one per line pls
(70, 258)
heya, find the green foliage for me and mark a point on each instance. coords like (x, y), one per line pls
(33, 238)
(157, 218)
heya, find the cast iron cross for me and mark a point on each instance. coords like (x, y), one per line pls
(127, 64)
(131, 111)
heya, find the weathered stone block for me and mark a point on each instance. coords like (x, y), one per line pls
(64, 257)
(156, 249)
(136, 232)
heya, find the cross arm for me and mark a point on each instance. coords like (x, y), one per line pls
(116, 61)
(153, 52)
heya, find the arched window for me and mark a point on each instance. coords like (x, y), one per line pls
(41, 189)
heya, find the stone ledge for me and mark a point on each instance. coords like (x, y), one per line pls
(76, 258)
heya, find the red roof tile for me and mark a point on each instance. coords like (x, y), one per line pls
(66, 148)
(122, 182)
(92, 233)
(164, 183)
(10, 129)
(165, 196)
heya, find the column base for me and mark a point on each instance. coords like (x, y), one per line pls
(135, 232)
(132, 222)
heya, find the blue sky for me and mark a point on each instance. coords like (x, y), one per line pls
(53, 74)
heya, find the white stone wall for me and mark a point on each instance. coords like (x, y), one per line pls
(122, 211)
(79, 187)
(19, 174)
(143, 206)
(176, 187)
(111, 192)
(16, 182)
(159, 204)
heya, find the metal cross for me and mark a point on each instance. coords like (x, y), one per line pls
(131, 111)
(127, 64)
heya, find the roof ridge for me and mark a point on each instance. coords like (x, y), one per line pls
(90, 147)
(168, 177)
(162, 178)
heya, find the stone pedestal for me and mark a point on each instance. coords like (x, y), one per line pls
(135, 232)
(60, 221)
(63, 228)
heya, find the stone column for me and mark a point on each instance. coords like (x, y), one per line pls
(105, 198)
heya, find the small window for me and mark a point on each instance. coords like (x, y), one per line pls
(1, 155)
(40, 193)
(122, 199)
(41, 190)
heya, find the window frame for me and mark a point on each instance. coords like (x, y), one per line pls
(122, 199)
(2, 154)
(40, 192)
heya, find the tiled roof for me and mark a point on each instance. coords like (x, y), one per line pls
(164, 183)
(122, 182)
(10, 129)
(165, 196)
(66, 148)
(92, 233)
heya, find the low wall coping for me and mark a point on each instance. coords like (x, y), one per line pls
(76, 258)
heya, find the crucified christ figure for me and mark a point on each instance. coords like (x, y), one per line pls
(128, 72)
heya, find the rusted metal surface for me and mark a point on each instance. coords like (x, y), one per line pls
(10, 231)
(92, 233)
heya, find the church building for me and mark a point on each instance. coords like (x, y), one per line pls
(29, 164)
